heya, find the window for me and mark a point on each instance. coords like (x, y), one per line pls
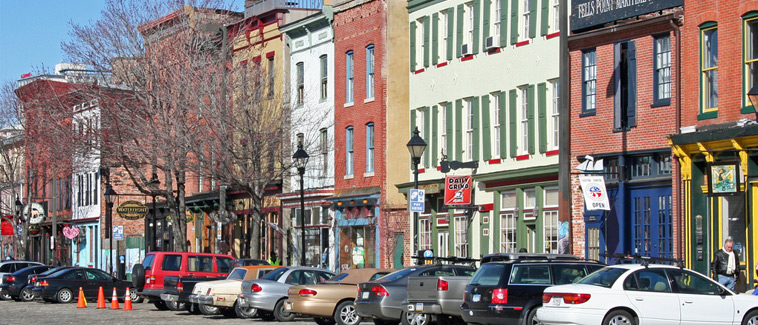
(508, 222)
(496, 19)
(550, 221)
(692, 283)
(271, 76)
(420, 125)
(526, 4)
(589, 78)
(443, 128)
(349, 147)
(200, 263)
(300, 83)
(469, 129)
(444, 21)
(170, 262)
(324, 146)
(751, 57)
(593, 244)
(662, 73)
(648, 280)
(530, 201)
(495, 108)
(370, 148)
(443, 239)
(530, 274)
(425, 232)
(709, 69)
(556, 27)
(469, 24)
(555, 119)
(421, 40)
(461, 236)
(349, 74)
(324, 77)
(524, 119)
(370, 71)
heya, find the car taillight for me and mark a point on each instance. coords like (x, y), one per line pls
(568, 298)
(34, 278)
(442, 285)
(255, 288)
(10, 278)
(307, 293)
(150, 279)
(180, 286)
(380, 291)
(44, 283)
(500, 296)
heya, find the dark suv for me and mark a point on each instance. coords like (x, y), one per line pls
(509, 291)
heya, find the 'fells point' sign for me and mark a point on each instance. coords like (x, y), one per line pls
(589, 13)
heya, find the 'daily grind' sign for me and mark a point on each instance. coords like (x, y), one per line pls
(458, 190)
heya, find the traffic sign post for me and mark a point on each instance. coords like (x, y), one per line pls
(118, 232)
(416, 200)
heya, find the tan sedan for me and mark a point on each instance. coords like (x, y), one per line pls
(223, 293)
(332, 301)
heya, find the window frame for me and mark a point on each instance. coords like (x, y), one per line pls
(469, 28)
(324, 146)
(271, 77)
(443, 46)
(349, 139)
(443, 128)
(747, 19)
(469, 141)
(556, 26)
(300, 75)
(324, 65)
(508, 223)
(349, 78)
(658, 100)
(524, 19)
(550, 213)
(495, 19)
(370, 65)
(460, 240)
(705, 110)
(495, 106)
(370, 147)
(524, 120)
(555, 117)
(586, 82)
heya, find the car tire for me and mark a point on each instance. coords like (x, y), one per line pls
(26, 294)
(64, 296)
(244, 312)
(207, 310)
(4, 295)
(138, 276)
(407, 318)
(192, 308)
(345, 314)
(228, 312)
(174, 305)
(530, 318)
(280, 314)
(266, 316)
(323, 321)
(161, 305)
(619, 317)
(751, 318)
(134, 297)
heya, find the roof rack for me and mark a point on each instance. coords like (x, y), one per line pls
(451, 259)
(644, 260)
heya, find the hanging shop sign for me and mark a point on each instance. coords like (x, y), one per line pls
(37, 215)
(132, 210)
(724, 179)
(6, 228)
(589, 13)
(595, 195)
(458, 190)
(70, 232)
(34, 229)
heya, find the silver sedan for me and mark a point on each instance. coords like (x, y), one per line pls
(268, 294)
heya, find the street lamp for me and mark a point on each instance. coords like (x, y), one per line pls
(110, 196)
(149, 230)
(753, 96)
(416, 147)
(301, 158)
(20, 221)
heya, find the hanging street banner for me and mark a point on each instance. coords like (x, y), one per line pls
(589, 13)
(458, 190)
(132, 210)
(595, 195)
(416, 200)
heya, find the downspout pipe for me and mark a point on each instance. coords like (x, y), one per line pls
(675, 25)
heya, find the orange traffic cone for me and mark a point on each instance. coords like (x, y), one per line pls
(128, 300)
(82, 301)
(114, 300)
(100, 299)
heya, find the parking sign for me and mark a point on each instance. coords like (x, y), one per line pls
(118, 232)
(417, 200)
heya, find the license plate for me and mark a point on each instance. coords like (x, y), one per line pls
(289, 306)
(171, 298)
(364, 295)
(556, 301)
(476, 298)
(419, 306)
(242, 301)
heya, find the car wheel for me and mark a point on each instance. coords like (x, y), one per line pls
(161, 305)
(207, 310)
(228, 312)
(619, 317)
(138, 276)
(414, 318)
(345, 314)
(192, 308)
(751, 318)
(280, 314)
(4, 295)
(244, 312)
(134, 297)
(530, 317)
(266, 316)
(64, 296)
(26, 294)
(323, 321)
(174, 305)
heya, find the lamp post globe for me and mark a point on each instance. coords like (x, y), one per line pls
(301, 159)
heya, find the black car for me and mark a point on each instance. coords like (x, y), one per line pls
(63, 286)
(16, 284)
(248, 262)
(510, 291)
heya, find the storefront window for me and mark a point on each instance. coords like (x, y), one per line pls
(357, 247)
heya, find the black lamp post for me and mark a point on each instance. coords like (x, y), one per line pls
(19, 221)
(150, 220)
(753, 96)
(301, 158)
(110, 196)
(416, 147)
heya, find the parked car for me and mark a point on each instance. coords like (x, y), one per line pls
(34, 278)
(383, 299)
(7, 267)
(148, 276)
(17, 284)
(510, 291)
(63, 286)
(647, 293)
(222, 294)
(332, 301)
(177, 290)
(268, 293)
(248, 262)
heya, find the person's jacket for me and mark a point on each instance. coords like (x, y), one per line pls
(721, 262)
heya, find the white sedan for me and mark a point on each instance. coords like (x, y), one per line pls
(652, 294)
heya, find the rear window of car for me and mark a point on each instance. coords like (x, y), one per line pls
(6, 268)
(447, 272)
(489, 274)
(199, 264)
(397, 274)
(530, 274)
(604, 278)
(224, 264)
(237, 274)
(148, 262)
(275, 275)
(172, 263)
(570, 273)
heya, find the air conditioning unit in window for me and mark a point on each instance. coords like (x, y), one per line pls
(491, 43)
(465, 49)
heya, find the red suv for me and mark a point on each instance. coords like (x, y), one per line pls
(148, 276)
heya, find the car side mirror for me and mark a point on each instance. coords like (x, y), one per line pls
(722, 291)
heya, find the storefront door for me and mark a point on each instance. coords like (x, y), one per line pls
(651, 222)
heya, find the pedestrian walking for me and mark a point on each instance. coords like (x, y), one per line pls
(725, 265)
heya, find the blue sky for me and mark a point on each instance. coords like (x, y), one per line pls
(31, 32)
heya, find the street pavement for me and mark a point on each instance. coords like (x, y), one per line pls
(26, 313)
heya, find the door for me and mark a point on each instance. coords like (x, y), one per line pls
(97, 279)
(200, 266)
(700, 300)
(397, 260)
(651, 222)
(649, 291)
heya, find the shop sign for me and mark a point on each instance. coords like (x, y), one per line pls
(589, 13)
(724, 179)
(595, 195)
(38, 213)
(458, 190)
(7, 228)
(34, 229)
(132, 210)
(271, 201)
(430, 188)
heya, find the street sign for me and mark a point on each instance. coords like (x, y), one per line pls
(20, 230)
(118, 232)
(417, 200)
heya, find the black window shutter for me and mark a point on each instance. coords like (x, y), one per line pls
(631, 73)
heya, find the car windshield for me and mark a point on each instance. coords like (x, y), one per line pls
(51, 271)
(237, 274)
(275, 275)
(397, 274)
(489, 274)
(605, 277)
(57, 274)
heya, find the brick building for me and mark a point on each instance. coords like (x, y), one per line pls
(623, 103)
